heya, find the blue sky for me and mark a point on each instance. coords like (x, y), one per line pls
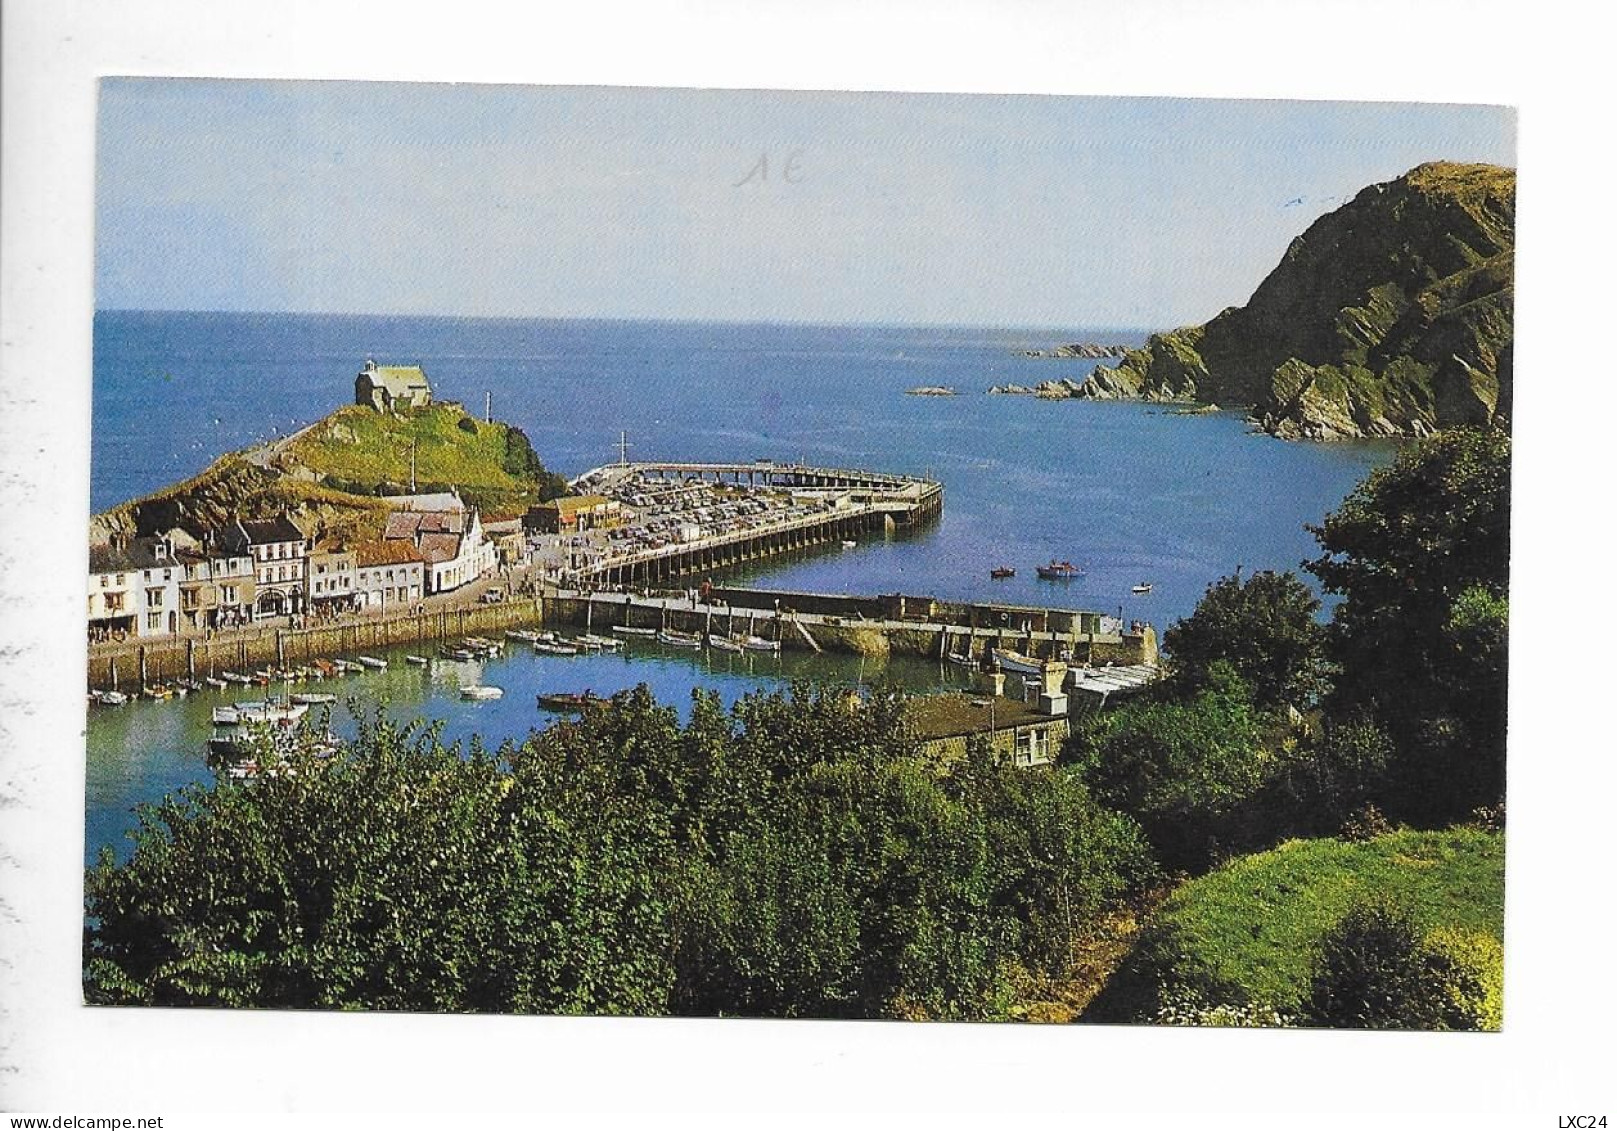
(607, 202)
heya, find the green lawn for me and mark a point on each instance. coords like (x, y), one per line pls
(1249, 932)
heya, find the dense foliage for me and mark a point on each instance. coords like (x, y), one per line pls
(1186, 769)
(1265, 628)
(795, 857)
(1420, 553)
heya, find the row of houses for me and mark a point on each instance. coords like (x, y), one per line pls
(174, 583)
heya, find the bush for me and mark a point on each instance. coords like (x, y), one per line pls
(1376, 972)
(1186, 771)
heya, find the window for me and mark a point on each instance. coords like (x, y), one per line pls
(114, 602)
(228, 592)
(154, 621)
(168, 575)
(119, 579)
(154, 596)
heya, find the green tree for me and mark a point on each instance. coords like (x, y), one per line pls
(1186, 770)
(1420, 554)
(1265, 627)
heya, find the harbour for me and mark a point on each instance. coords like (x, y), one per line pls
(1103, 497)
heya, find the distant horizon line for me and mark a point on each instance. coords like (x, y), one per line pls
(663, 320)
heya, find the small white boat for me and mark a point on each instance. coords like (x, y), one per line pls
(526, 635)
(1142, 587)
(603, 643)
(759, 644)
(1016, 662)
(547, 648)
(419, 661)
(112, 698)
(481, 692)
(676, 639)
(848, 543)
(313, 698)
(726, 644)
(235, 677)
(373, 662)
(962, 659)
(226, 716)
(347, 666)
(216, 683)
(627, 630)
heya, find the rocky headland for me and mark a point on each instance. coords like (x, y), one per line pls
(1082, 350)
(1392, 315)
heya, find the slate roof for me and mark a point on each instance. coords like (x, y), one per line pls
(281, 528)
(946, 716)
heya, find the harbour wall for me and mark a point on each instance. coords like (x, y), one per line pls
(858, 626)
(161, 661)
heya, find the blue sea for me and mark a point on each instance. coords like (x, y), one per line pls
(1130, 491)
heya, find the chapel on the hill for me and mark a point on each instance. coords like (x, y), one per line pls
(389, 387)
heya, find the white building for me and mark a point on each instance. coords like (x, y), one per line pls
(388, 574)
(451, 543)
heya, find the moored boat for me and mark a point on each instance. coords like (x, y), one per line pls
(629, 630)
(313, 698)
(375, 663)
(1017, 662)
(481, 691)
(677, 639)
(1058, 571)
(726, 644)
(1000, 573)
(419, 661)
(760, 644)
(111, 698)
(1142, 587)
(554, 648)
(603, 643)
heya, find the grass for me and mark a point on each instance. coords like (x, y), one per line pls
(1249, 933)
(361, 445)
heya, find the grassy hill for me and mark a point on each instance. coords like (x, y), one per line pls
(1393, 315)
(330, 475)
(1248, 933)
(361, 450)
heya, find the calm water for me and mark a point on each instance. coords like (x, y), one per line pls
(1131, 492)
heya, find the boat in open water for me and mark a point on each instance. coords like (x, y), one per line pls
(568, 702)
(1000, 573)
(1142, 587)
(1059, 571)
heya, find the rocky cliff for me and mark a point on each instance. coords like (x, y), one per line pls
(1392, 315)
